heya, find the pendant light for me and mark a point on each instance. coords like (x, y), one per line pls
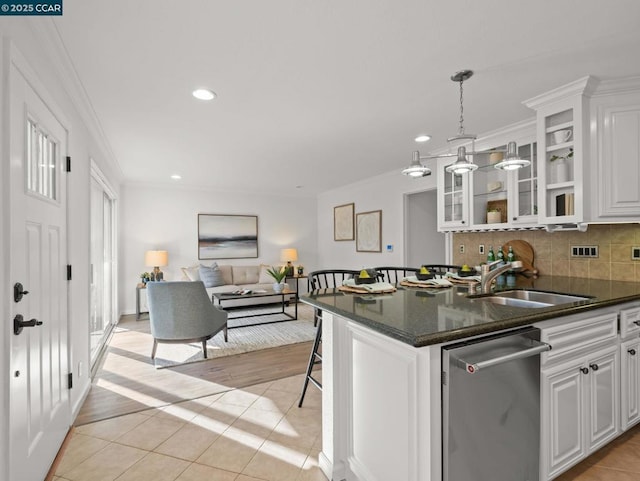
(512, 161)
(463, 163)
(416, 169)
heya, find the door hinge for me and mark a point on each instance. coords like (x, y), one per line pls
(69, 380)
(443, 378)
(68, 272)
(68, 167)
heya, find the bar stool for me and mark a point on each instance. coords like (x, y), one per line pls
(322, 279)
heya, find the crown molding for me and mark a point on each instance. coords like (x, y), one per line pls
(583, 86)
(51, 43)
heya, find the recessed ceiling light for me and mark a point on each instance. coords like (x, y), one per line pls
(176, 177)
(204, 94)
(422, 138)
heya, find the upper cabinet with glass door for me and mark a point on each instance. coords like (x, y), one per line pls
(563, 143)
(453, 195)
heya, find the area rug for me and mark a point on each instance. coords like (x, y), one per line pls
(242, 339)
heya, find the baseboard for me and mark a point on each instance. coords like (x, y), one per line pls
(54, 466)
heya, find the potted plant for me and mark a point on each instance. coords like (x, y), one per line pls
(560, 167)
(300, 270)
(278, 275)
(145, 276)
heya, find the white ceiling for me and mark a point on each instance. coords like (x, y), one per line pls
(317, 93)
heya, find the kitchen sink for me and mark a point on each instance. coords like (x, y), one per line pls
(531, 299)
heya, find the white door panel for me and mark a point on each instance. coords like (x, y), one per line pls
(39, 400)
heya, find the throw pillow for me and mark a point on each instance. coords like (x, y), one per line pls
(211, 276)
(264, 277)
(192, 273)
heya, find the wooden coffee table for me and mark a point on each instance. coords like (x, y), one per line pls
(222, 297)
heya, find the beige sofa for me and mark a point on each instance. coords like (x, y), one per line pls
(239, 277)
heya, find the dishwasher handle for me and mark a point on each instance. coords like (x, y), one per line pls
(472, 368)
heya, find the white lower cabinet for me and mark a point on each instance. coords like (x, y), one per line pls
(629, 383)
(580, 400)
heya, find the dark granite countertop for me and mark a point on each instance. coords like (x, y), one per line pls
(421, 317)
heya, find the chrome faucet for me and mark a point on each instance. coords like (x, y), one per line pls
(488, 272)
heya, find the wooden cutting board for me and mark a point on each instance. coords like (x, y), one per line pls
(524, 252)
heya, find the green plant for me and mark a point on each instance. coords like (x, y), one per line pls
(278, 274)
(562, 157)
(145, 276)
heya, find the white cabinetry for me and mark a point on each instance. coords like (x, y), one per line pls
(563, 146)
(616, 151)
(629, 367)
(579, 391)
(453, 204)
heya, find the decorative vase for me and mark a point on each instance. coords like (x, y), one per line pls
(278, 287)
(560, 170)
(494, 218)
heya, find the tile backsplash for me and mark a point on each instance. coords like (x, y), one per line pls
(553, 250)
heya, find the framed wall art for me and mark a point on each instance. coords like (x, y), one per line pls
(369, 231)
(343, 222)
(227, 236)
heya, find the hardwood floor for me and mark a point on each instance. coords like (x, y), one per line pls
(127, 381)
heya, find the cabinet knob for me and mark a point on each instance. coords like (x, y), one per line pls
(462, 222)
(593, 366)
(585, 370)
(637, 323)
(632, 352)
(515, 218)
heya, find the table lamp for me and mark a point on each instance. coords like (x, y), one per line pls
(156, 259)
(289, 255)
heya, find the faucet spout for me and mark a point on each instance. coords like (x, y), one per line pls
(492, 270)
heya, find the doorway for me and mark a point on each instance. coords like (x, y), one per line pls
(424, 244)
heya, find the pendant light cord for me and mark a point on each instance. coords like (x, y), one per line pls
(461, 109)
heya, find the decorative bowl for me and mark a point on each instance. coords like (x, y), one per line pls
(470, 272)
(365, 280)
(425, 277)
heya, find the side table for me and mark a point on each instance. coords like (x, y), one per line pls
(297, 279)
(139, 287)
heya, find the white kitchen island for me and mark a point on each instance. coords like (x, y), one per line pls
(381, 372)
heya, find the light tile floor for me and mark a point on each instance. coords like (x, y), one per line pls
(252, 434)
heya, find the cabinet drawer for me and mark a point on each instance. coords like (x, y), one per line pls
(574, 337)
(629, 322)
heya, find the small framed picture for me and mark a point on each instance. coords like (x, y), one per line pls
(343, 222)
(369, 231)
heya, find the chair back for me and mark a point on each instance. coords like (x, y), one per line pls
(329, 278)
(182, 310)
(394, 275)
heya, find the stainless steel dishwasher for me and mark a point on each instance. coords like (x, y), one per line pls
(491, 408)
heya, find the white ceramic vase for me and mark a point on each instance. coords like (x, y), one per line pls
(278, 287)
(560, 169)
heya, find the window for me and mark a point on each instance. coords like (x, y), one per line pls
(42, 162)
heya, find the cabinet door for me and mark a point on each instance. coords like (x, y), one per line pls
(604, 397)
(524, 209)
(453, 193)
(629, 385)
(488, 187)
(619, 162)
(563, 413)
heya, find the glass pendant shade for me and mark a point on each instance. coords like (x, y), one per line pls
(512, 160)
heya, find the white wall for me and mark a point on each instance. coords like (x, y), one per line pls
(384, 192)
(32, 38)
(166, 218)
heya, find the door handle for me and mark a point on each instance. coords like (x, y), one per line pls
(632, 352)
(18, 292)
(584, 370)
(594, 367)
(19, 323)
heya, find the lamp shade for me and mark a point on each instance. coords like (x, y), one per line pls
(156, 258)
(289, 255)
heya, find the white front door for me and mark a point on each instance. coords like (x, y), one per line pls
(40, 412)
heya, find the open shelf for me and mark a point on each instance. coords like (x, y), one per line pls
(564, 145)
(561, 185)
(565, 125)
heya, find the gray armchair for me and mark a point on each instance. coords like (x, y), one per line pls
(181, 312)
